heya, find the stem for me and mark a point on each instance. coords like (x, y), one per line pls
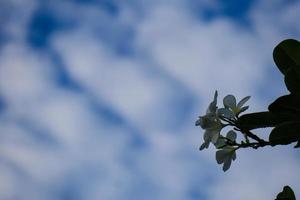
(247, 134)
(253, 136)
(253, 145)
(230, 122)
(246, 138)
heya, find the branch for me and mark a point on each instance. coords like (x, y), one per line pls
(253, 136)
(253, 145)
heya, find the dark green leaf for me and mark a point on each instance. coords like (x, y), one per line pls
(286, 194)
(285, 133)
(261, 120)
(292, 81)
(287, 104)
(287, 54)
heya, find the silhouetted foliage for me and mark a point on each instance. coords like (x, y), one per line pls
(283, 115)
(286, 194)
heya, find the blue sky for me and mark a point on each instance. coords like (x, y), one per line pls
(98, 98)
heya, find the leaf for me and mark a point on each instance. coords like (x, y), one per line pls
(292, 81)
(285, 133)
(287, 55)
(261, 120)
(286, 104)
(297, 145)
(286, 194)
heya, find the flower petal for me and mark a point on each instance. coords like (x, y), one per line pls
(212, 108)
(205, 145)
(226, 113)
(211, 136)
(243, 101)
(214, 136)
(198, 122)
(233, 156)
(227, 164)
(215, 96)
(231, 135)
(229, 101)
(220, 143)
(206, 136)
(206, 122)
(221, 156)
(225, 156)
(243, 109)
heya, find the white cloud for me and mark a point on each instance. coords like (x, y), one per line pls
(25, 74)
(206, 56)
(124, 83)
(258, 175)
(173, 51)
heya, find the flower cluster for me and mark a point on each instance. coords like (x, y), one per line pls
(215, 120)
(211, 123)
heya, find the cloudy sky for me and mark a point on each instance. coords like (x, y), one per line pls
(98, 98)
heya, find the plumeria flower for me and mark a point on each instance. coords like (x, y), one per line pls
(211, 123)
(222, 141)
(230, 104)
(210, 136)
(227, 154)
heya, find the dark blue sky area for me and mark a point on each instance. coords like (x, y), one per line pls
(235, 10)
(44, 21)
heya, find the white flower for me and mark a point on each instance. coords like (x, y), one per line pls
(230, 104)
(211, 123)
(210, 136)
(210, 119)
(225, 156)
(227, 153)
(222, 141)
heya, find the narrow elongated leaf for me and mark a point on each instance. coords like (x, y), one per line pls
(287, 54)
(286, 104)
(261, 120)
(286, 194)
(285, 133)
